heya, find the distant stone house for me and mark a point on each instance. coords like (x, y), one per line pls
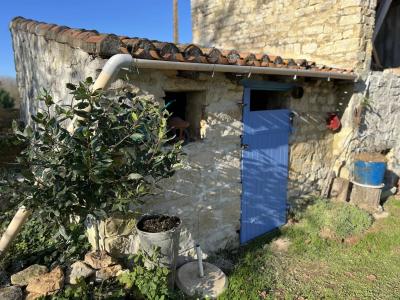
(266, 144)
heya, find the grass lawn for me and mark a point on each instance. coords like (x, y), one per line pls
(332, 257)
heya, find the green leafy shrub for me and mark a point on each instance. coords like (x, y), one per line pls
(149, 282)
(6, 101)
(41, 243)
(107, 290)
(139, 283)
(117, 153)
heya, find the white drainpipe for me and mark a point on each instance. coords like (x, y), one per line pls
(119, 61)
(107, 74)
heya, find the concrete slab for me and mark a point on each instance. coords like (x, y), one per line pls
(211, 285)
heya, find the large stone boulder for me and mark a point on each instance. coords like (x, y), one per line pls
(23, 277)
(48, 283)
(33, 296)
(78, 270)
(99, 259)
(11, 293)
(121, 246)
(120, 224)
(117, 234)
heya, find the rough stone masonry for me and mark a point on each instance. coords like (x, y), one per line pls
(336, 32)
(206, 192)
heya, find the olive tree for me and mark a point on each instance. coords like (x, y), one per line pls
(118, 151)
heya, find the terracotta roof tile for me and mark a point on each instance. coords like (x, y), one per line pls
(166, 48)
(42, 29)
(31, 26)
(251, 60)
(301, 62)
(53, 32)
(233, 56)
(106, 45)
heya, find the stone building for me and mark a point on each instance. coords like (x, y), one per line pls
(267, 144)
(353, 34)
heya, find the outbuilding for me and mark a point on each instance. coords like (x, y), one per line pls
(261, 127)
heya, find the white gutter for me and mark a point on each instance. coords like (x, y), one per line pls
(184, 66)
(119, 61)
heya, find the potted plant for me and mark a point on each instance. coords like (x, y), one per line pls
(159, 234)
(118, 151)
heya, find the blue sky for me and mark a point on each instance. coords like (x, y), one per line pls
(142, 18)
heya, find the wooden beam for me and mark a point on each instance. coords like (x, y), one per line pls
(380, 16)
(376, 57)
(340, 189)
(366, 198)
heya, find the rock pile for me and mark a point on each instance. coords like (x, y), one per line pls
(36, 280)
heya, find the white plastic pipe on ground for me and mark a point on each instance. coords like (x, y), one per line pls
(12, 230)
(200, 261)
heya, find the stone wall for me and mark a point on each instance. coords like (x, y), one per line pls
(380, 127)
(47, 64)
(205, 193)
(311, 143)
(335, 32)
(371, 124)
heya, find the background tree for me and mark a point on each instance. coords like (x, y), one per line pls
(9, 84)
(6, 101)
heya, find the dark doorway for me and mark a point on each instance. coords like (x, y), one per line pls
(176, 104)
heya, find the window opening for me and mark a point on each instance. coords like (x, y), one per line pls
(268, 100)
(187, 114)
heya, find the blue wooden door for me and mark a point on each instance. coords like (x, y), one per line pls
(264, 169)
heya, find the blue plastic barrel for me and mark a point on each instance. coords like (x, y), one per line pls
(369, 173)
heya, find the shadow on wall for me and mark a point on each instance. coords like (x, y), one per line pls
(205, 193)
(379, 129)
(224, 14)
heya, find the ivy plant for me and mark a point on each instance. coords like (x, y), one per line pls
(117, 153)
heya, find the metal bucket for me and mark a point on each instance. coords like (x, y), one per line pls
(369, 173)
(166, 243)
